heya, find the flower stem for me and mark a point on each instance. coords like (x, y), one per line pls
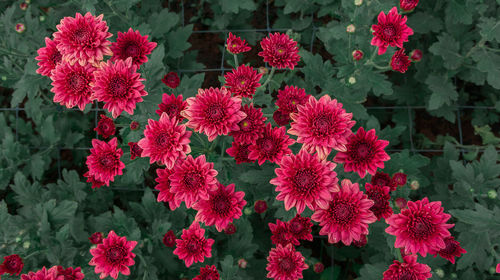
(235, 60)
(269, 77)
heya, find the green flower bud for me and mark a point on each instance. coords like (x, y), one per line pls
(492, 194)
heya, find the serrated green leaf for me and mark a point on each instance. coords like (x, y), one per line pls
(490, 29)
(489, 63)
(443, 91)
(448, 48)
(177, 41)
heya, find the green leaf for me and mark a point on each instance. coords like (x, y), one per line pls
(458, 11)
(448, 48)
(189, 85)
(316, 70)
(377, 81)
(162, 23)
(36, 166)
(372, 271)
(423, 22)
(63, 212)
(177, 41)
(489, 63)
(490, 29)
(231, 6)
(229, 270)
(481, 219)
(486, 135)
(443, 91)
(477, 245)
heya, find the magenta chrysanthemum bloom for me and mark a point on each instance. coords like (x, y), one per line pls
(213, 112)
(42, 274)
(69, 273)
(416, 55)
(93, 180)
(193, 247)
(239, 152)
(71, 84)
(48, 58)
(105, 127)
(165, 141)
(135, 150)
(169, 239)
(132, 44)
(171, 80)
(222, 206)
(114, 255)
(280, 51)
(164, 185)
(251, 127)
(391, 30)
(400, 61)
(380, 196)
(236, 45)
(242, 81)
(272, 146)
(284, 263)
(104, 161)
(119, 86)
(83, 39)
(281, 118)
(383, 179)
(260, 206)
(192, 180)
(281, 234)
(408, 5)
(208, 273)
(12, 264)
(347, 216)
(420, 228)
(172, 105)
(451, 250)
(300, 228)
(304, 180)
(399, 178)
(409, 269)
(322, 125)
(290, 97)
(96, 238)
(364, 153)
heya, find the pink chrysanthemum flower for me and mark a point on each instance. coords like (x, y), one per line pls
(104, 161)
(380, 196)
(281, 234)
(409, 269)
(408, 5)
(416, 55)
(304, 180)
(251, 127)
(119, 86)
(284, 263)
(135, 150)
(169, 239)
(114, 255)
(420, 228)
(172, 105)
(105, 127)
(42, 274)
(213, 112)
(281, 118)
(347, 216)
(93, 180)
(364, 153)
(236, 45)
(208, 273)
(280, 51)
(193, 247)
(71, 84)
(69, 273)
(48, 58)
(132, 44)
(290, 97)
(192, 180)
(164, 185)
(83, 39)
(171, 80)
(12, 264)
(451, 250)
(300, 228)
(239, 152)
(272, 146)
(383, 179)
(399, 178)
(165, 141)
(96, 238)
(322, 125)
(400, 61)
(222, 206)
(391, 30)
(242, 81)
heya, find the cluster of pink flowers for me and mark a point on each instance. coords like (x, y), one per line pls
(13, 265)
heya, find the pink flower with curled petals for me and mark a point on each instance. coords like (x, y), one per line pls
(48, 58)
(12, 264)
(380, 196)
(165, 141)
(172, 105)
(409, 269)
(72, 84)
(42, 274)
(239, 152)
(113, 256)
(208, 273)
(322, 125)
(300, 228)
(391, 30)
(364, 153)
(280, 51)
(383, 179)
(193, 247)
(272, 146)
(105, 127)
(251, 127)
(284, 263)
(290, 98)
(132, 44)
(104, 161)
(304, 180)
(408, 5)
(281, 234)
(69, 273)
(236, 45)
(222, 206)
(347, 216)
(213, 112)
(420, 228)
(451, 250)
(192, 180)
(83, 39)
(242, 81)
(400, 61)
(164, 185)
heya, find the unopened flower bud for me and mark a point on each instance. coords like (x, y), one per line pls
(42, 18)
(358, 2)
(20, 28)
(23, 6)
(351, 28)
(242, 263)
(416, 55)
(319, 267)
(26, 244)
(357, 55)
(263, 70)
(439, 272)
(492, 194)
(415, 185)
(352, 80)
(4, 78)
(247, 211)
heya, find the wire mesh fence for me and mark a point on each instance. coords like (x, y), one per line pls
(222, 69)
